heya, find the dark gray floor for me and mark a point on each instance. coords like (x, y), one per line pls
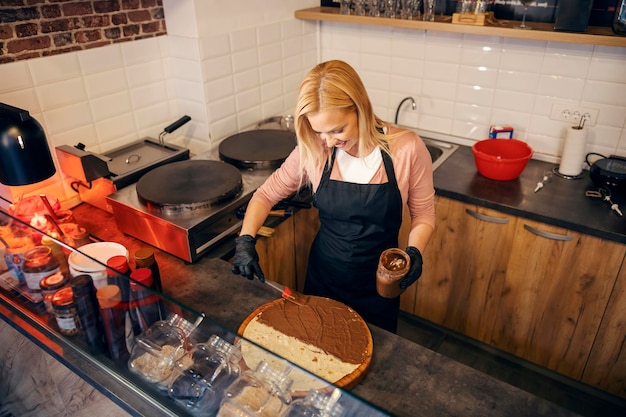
(570, 394)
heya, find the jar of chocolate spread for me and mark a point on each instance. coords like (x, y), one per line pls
(393, 265)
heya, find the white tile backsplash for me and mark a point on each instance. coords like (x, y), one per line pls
(61, 93)
(104, 83)
(146, 50)
(106, 58)
(16, 76)
(237, 71)
(54, 68)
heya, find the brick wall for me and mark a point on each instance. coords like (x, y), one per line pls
(36, 28)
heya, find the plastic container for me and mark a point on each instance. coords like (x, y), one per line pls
(101, 252)
(501, 159)
(156, 351)
(199, 380)
(393, 265)
(316, 404)
(260, 392)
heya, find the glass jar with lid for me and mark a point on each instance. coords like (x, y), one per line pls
(155, 351)
(199, 379)
(65, 311)
(38, 264)
(316, 404)
(50, 285)
(260, 392)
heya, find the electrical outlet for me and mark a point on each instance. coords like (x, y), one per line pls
(573, 114)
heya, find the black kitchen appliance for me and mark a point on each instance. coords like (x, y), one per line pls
(609, 172)
(186, 208)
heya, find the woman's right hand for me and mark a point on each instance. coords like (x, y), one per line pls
(246, 260)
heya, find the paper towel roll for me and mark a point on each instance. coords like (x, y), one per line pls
(573, 151)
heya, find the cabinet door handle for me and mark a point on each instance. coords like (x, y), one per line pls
(547, 235)
(486, 218)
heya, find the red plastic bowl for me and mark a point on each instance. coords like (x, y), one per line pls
(501, 159)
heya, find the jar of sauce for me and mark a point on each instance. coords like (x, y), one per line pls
(50, 285)
(65, 311)
(38, 264)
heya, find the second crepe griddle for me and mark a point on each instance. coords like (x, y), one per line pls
(258, 149)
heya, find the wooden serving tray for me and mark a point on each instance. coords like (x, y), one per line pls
(346, 382)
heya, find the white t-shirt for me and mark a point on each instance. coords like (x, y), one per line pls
(358, 170)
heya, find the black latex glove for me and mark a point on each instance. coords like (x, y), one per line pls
(415, 271)
(246, 260)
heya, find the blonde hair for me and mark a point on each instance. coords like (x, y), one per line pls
(334, 85)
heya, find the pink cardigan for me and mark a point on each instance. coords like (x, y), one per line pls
(411, 162)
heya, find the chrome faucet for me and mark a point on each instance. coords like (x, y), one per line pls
(413, 106)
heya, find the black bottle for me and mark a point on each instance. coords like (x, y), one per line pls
(619, 21)
(113, 315)
(88, 311)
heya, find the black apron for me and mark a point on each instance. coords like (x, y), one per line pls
(357, 223)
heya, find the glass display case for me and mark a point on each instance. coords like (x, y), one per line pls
(152, 353)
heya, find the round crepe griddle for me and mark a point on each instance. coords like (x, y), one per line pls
(189, 186)
(255, 149)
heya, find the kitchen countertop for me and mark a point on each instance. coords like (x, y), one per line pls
(561, 202)
(405, 379)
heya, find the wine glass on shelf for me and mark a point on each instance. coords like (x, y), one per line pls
(525, 3)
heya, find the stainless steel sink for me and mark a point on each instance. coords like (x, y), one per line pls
(439, 151)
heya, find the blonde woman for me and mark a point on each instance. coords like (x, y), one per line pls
(363, 172)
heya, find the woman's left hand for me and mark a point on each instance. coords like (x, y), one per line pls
(415, 271)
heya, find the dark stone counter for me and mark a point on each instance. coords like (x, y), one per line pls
(561, 202)
(404, 378)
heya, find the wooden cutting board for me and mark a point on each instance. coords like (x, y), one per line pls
(346, 381)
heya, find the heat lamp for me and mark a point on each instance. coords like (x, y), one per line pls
(25, 157)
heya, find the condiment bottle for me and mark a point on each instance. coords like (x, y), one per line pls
(65, 312)
(88, 311)
(50, 285)
(113, 319)
(619, 20)
(144, 258)
(144, 305)
(117, 274)
(38, 264)
(199, 385)
(261, 392)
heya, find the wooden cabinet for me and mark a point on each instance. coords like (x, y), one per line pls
(606, 367)
(464, 269)
(536, 291)
(284, 255)
(556, 289)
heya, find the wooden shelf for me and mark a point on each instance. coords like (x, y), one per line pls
(595, 35)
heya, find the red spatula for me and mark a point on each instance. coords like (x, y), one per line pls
(289, 294)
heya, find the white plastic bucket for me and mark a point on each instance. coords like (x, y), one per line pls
(102, 251)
